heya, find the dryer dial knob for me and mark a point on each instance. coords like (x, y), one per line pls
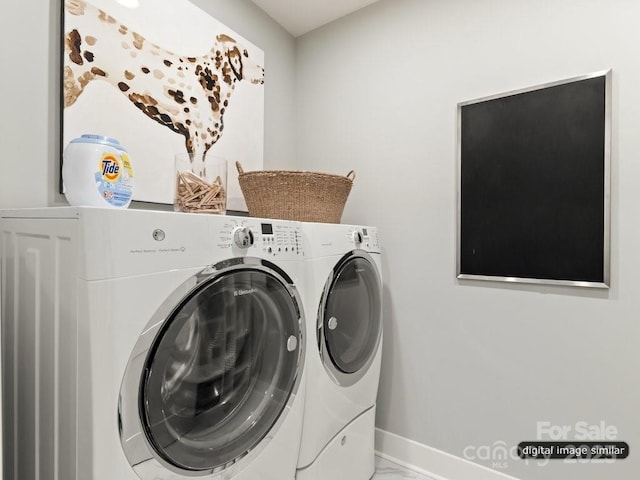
(243, 237)
(357, 237)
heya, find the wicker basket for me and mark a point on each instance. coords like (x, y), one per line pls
(295, 195)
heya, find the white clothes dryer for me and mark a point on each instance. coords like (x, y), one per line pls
(343, 302)
(150, 345)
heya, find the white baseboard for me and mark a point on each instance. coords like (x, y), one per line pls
(430, 461)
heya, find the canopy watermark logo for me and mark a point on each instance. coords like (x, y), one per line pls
(495, 455)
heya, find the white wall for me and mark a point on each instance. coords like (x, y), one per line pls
(29, 82)
(468, 363)
(26, 81)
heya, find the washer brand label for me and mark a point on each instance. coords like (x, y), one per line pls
(237, 293)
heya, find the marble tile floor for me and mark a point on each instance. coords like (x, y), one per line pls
(386, 470)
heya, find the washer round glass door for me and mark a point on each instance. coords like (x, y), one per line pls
(220, 370)
(351, 317)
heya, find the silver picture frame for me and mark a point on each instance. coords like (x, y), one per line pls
(601, 283)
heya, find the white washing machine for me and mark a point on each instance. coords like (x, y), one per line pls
(150, 345)
(343, 302)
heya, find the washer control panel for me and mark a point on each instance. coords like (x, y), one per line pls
(281, 239)
(264, 238)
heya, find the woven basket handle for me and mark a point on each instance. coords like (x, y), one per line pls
(351, 175)
(239, 167)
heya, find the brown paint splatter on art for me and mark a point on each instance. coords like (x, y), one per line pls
(177, 95)
(225, 38)
(128, 75)
(99, 72)
(102, 16)
(158, 74)
(215, 106)
(146, 99)
(75, 7)
(71, 90)
(208, 80)
(147, 105)
(145, 70)
(84, 79)
(123, 86)
(123, 29)
(74, 42)
(167, 63)
(91, 41)
(88, 56)
(138, 40)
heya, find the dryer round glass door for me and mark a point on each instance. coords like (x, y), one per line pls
(351, 317)
(220, 370)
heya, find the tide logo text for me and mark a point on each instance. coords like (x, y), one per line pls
(110, 168)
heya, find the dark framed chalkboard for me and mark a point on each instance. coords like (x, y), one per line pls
(533, 192)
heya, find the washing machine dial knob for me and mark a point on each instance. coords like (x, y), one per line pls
(357, 237)
(243, 237)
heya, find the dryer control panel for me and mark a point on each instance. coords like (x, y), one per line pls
(326, 239)
(365, 238)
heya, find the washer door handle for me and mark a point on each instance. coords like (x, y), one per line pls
(332, 323)
(292, 343)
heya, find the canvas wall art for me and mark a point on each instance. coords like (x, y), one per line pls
(162, 77)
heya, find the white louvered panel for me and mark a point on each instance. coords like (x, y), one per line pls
(39, 271)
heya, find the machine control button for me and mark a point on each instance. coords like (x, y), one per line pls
(292, 343)
(243, 237)
(357, 237)
(332, 323)
(158, 234)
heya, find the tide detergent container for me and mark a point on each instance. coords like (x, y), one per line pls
(97, 172)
